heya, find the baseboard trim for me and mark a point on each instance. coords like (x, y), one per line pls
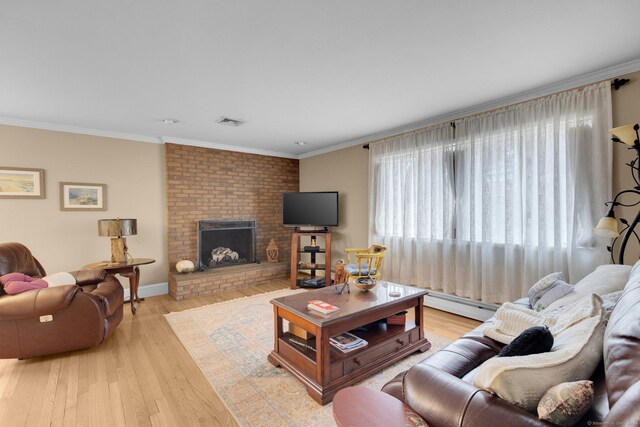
(461, 306)
(149, 290)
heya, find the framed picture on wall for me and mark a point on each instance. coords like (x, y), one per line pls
(77, 196)
(19, 183)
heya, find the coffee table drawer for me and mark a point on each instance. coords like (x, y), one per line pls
(384, 349)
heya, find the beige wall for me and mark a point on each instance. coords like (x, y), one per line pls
(345, 171)
(65, 241)
(626, 110)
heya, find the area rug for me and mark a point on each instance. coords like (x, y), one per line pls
(230, 342)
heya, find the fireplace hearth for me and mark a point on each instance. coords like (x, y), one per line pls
(226, 243)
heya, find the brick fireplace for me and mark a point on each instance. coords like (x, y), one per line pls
(220, 185)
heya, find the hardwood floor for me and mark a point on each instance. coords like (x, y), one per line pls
(140, 376)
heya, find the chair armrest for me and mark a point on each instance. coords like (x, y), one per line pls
(370, 255)
(37, 302)
(88, 277)
(110, 293)
(353, 250)
(444, 400)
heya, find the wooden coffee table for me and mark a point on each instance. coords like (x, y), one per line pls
(324, 369)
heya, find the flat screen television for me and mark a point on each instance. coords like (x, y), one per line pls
(319, 209)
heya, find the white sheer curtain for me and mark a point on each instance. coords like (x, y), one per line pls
(512, 197)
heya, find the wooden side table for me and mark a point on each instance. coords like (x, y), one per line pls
(363, 407)
(127, 269)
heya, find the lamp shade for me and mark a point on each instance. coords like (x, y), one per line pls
(117, 227)
(626, 134)
(607, 227)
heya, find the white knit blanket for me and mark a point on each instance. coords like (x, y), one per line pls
(511, 319)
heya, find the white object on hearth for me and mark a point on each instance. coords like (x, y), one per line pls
(185, 266)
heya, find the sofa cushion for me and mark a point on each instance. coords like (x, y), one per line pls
(604, 280)
(564, 404)
(523, 380)
(16, 257)
(353, 269)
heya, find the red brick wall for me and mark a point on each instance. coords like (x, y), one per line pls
(204, 183)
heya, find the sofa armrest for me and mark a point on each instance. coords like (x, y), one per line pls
(37, 302)
(88, 277)
(626, 410)
(110, 293)
(444, 400)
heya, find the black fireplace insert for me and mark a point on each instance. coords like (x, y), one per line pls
(226, 243)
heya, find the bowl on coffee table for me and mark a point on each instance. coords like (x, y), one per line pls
(365, 283)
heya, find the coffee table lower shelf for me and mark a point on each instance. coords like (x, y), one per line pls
(347, 371)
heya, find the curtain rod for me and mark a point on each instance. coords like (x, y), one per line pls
(616, 84)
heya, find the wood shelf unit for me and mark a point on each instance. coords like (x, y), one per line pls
(297, 251)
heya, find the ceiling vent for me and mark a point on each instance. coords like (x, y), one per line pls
(229, 122)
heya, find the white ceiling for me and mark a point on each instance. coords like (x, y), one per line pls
(323, 71)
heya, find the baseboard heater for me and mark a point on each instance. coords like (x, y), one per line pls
(459, 305)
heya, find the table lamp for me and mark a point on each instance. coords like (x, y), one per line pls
(116, 228)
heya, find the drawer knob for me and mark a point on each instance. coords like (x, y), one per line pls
(399, 341)
(357, 361)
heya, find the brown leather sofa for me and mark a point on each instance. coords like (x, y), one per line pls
(55, 319)
(440, 388)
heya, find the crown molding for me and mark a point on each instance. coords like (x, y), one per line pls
(226, 147)
(10, 121)
(76, 129)
(572, 83)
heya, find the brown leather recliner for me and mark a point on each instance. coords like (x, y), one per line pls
(56, 319)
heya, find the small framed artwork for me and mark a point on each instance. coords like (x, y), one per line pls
(19, 183)
(77, 196)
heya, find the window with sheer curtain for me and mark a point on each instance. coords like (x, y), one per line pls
(512, 197)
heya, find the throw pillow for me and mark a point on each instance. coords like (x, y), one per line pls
(604, 280)
(15, 283)
(542, 286)
(523, 380)
(58, 279)
(537, 339)
(564, 404)
(559, 289)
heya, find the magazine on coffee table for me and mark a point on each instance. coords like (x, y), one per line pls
(347, 342)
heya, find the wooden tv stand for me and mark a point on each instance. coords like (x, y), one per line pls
(324, 369)
(297, 250)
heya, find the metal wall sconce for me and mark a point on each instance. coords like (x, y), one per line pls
(608, 225)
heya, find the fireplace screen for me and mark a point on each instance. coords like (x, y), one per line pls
(224, 243)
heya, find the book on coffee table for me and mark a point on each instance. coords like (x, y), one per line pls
(322, 307)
